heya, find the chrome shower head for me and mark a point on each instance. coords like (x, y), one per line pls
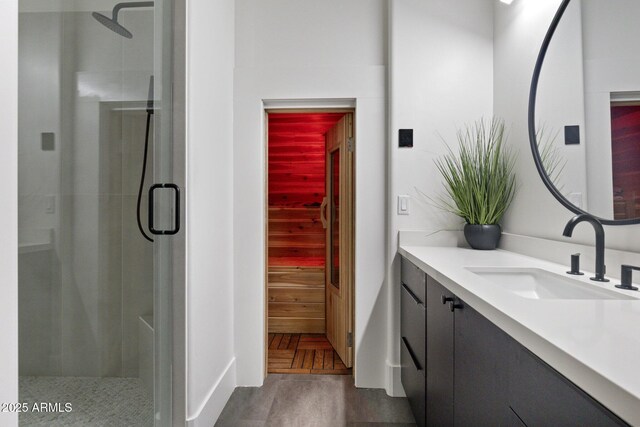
(113, 24)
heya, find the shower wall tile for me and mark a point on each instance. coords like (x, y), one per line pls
(56, 305)
(111, 147)
(39, 191)
(39, 101)
(36, 332)
(110, 299)
(137, 277)
(80, 292)
(133, 127)
(145, 352)
(86, 150)
(100, 49)
(99, 276)
(80, 348)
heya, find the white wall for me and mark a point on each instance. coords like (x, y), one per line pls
(581, 70)
(611, 64)
(9, 211)
(306, 49)
(560, 102)
(440, 79)
(210, 321)
(518, 34)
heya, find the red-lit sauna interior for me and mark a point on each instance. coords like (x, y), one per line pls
(296, 165)
(625, 153)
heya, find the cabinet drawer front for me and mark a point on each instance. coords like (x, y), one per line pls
(413, 384)
(543, 397)
(414, 278)
(412, 326)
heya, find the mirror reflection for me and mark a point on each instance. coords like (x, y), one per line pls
(588, 108)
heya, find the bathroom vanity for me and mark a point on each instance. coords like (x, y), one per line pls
(494, 338)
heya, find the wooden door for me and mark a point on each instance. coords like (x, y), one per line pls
(339, 214)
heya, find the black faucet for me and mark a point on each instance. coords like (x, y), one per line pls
(597, 226)
(625, 277)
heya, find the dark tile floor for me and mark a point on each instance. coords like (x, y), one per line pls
(314, 401)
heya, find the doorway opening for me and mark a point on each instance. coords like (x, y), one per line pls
(310, 245)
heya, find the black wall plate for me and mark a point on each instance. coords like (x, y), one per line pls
(405, 138)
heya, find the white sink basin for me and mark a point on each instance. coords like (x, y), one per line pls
(534, 283)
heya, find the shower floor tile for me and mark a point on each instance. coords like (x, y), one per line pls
(94, 401)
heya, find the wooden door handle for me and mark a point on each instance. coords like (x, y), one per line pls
(323, 209)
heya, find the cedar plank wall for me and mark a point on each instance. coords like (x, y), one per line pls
(625, 150)
(296, 237)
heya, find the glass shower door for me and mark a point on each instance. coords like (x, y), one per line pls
(96, 261)
(165, 216)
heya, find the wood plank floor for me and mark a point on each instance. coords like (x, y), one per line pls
(303, 354)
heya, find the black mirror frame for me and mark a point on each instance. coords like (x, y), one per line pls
(532, 126)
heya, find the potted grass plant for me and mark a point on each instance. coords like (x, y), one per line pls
(479, 181)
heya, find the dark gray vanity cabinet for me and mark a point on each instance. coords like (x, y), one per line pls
(481, 370)
(455, 339)
(466, 367)
(412, 342)
(413, 381)
(459, 369)
(440, 356)
(540, 396)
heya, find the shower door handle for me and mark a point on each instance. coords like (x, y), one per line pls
(176, 225)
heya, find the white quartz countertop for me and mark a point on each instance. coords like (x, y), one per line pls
(594, 343)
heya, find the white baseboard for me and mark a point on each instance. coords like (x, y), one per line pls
(210, 409)
(394, 383)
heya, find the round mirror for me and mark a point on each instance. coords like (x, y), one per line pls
(584, 109)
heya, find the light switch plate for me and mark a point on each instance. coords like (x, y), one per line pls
(403, 205)
(576, 199)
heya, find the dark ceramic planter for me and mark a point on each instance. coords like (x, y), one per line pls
(483, 237)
